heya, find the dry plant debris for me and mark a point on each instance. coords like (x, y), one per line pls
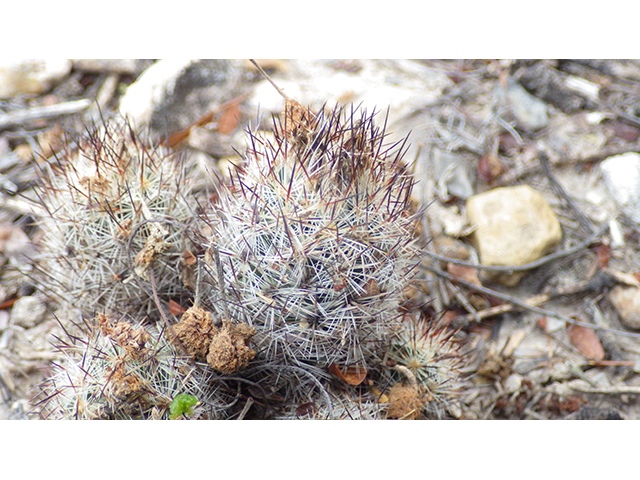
(405, 402)
(229, 350)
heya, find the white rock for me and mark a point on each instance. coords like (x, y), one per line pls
(626, 301)
(400, 85)
(583, 87)
(594, 118)
(621, 174)
(514, 226)
(617, 236)
(172, 94)
(31, 76)
(530, 112)
(453, 175)
(512, 383)
(28, 312)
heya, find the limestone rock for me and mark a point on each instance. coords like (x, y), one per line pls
(453, 173)
(621, 174)
(171, 95)
(28, 312)
(514, 226)
(31, 76)
(626, 301)
(529, 112)
(512, 383)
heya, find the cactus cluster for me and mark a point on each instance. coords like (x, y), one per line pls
(298, 272)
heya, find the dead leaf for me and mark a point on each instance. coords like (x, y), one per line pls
(305, 409)
(175, 308)
(543, 323)
(8, 303)
(490, 167)
(465, 273)
(177, 137)
(586, 342)
(232, 105)
(229, 120)
(353, 375)
(189, 258)
(604, 254)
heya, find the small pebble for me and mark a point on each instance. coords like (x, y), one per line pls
(31, 76)
(28, 312)
(621, 174)
(512, 383)
(530, 112)
(453, 174)
(626, 301)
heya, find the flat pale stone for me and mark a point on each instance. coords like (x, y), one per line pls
(626, 301)
(27, 312)
(173, 93)
(514, 226)
(31, 76)
(621, 174)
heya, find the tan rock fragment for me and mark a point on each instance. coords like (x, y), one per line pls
(626, 301)
(514, 226)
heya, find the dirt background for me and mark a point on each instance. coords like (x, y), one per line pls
(521, 364)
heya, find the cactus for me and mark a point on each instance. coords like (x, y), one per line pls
(115, 370)
(316, 238)
(102, 198)
(427, 355)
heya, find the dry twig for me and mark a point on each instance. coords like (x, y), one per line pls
(529, 266)
(615, 390)
(522, 304)
(41, 113)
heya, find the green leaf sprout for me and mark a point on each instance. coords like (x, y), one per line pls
(181, 405)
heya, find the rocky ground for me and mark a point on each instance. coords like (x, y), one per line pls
(528, 178)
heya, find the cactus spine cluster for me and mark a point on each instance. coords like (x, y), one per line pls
(104, 197)
(316, 237)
